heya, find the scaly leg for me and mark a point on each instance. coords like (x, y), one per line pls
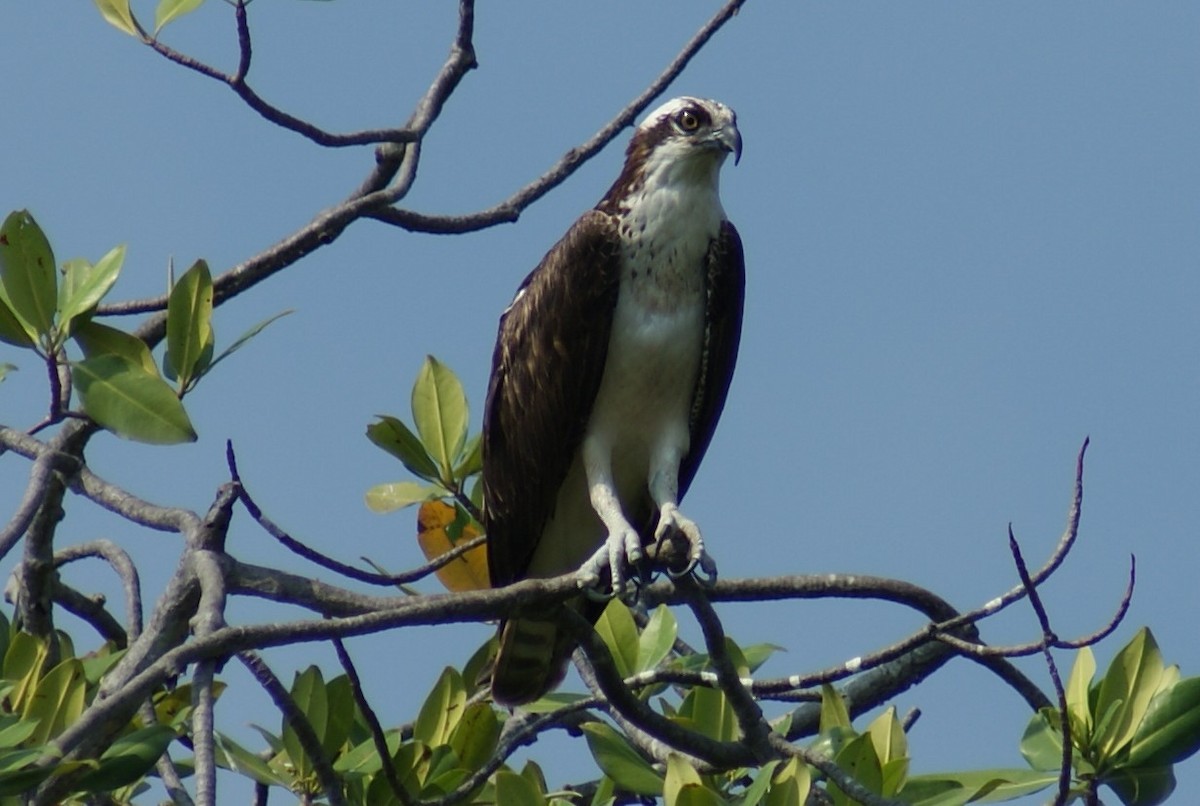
(623, 547)
(664, 489)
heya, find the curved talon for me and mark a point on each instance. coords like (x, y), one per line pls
(597, 594)
(685, 571)
(707, 575)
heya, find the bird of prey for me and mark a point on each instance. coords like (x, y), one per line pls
(611, 368)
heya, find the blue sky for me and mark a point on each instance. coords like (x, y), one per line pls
(971, 238)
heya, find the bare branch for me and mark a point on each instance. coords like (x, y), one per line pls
(510, 209)
(374, 199)
(749, 715)
(1061, 550)
(723, 755)
(123, 564)
(237, 82)
(325, 561)
(90, 609)
(40, 474)
(378, 737)
(1048, 639)
(299, 721)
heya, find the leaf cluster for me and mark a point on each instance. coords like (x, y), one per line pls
(117, 379)
(38, 701)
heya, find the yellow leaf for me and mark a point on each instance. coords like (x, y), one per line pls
(436, 521)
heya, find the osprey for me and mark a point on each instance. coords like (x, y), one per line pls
(610, 370)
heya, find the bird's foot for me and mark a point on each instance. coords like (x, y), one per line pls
(622, 551)
(673, 525)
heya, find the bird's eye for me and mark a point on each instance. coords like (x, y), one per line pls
(688, 120)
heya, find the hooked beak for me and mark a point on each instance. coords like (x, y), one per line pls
(730, 139)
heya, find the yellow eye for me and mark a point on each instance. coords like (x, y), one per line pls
(688, 120)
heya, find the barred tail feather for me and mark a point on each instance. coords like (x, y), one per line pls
(531, 661)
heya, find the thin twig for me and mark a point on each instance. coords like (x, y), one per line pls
(325, 561)
(719, 754)
(298, 720)
(1048, 639)
(378, 737)
(747, 711)
(237, 82)
(510, 209)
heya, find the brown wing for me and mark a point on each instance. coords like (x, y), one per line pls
(725, 291)
(546, 370)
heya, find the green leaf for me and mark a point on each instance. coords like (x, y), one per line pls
(757, 789)
(6, 368)
(617, 628)
(442, 709)
(233, 756)
(173, 9)
(15, 780)
(552, 702)
(189, 322)
(471, 459)
(241, 340)
(57, 701)
(1078, 686)
(789, 786)
(1143, 787)
(1041, 745)
(130, 402)
(342, 710)
(891, 747)
(532, 773)
(96, 665)
(128, 759)
(684, 788)
(118, 15)
(833, 710)
(605, 792)
(85, 285)
(95, 340)
(857, 758)
(22, 663)
(619, 761)
(363, 759)
(308, 690)
(978, 786)
(28, 282)
(1170, 731)
(679, 775)
(12, 330)
(474, 737)
(757, 654)
(708, 711)
(17, 732)
(1132, 678)
(698, 795)
(439, 409)
(656, 640)
(395, 437)
(516, 790)
(384, 498)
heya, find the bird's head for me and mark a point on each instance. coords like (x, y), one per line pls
(689, 129)
(681, 144)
